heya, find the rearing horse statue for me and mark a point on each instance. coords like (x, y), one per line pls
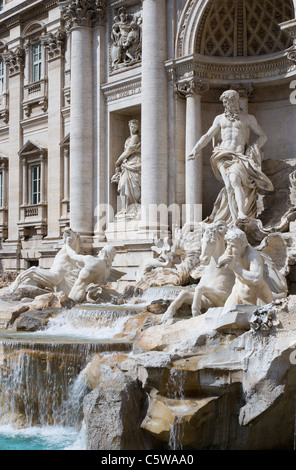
(215, 284)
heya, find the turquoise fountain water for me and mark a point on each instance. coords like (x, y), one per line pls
(41, 376)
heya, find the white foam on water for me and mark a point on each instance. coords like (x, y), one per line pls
(42, 438)
(65, 324)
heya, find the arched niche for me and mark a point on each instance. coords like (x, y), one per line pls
(240, 44)
(233, 28)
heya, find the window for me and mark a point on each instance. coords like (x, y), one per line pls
(1, 76)
(37, 62)
(1, 4)
(35, 183)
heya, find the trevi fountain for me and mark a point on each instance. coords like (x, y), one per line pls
(198, 353)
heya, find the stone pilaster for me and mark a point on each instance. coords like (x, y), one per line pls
(54, 43)
(192, 90)
(100, 169)
(15, 60)
(154, 115)
(80, 18)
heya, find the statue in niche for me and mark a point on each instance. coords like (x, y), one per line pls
(126, 36)
(128, 172)
(234, 162)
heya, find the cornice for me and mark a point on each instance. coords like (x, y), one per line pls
(25, 11)
(122, 89)
(218, 71)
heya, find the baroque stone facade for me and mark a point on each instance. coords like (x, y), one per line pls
(73, 74)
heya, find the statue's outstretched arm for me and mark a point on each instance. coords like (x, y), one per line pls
(73, 255)
(206, 138)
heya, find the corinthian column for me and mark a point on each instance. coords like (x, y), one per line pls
(80, 18)
(154, 115)
(193, 90)
(15, 61)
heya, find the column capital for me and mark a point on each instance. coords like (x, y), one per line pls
(15, 61)
(190, 87)
(290, 28)
(244, 90)
(83, 12)
(54, 43)
(291, 56)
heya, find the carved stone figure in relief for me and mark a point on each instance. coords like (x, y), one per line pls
(126, 37)
(62, 274)
(128, 170)
(234, 162)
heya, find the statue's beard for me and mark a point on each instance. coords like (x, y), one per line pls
(232, 112)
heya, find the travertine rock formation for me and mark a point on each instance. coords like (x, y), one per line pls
(222, 380)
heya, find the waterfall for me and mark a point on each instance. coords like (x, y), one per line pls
(42, 388)
(94, 322)
(42, 375)
(168, 292)
(175, 391)
(39, 383)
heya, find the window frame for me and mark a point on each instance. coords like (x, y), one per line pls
(36, 64)
(32, 180)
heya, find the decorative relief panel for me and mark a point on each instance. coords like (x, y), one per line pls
(126, 37)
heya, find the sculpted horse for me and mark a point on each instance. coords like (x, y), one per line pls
(62, 274)
(164, 259)
(216, 283)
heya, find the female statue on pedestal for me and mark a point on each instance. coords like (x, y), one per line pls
(128, 170)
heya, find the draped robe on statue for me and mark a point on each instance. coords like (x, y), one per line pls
(129, 184)
(254, 181)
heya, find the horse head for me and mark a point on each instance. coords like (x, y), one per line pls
(212, 242)
(71, 238)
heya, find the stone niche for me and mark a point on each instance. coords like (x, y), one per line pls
(119, 132)
(276, 115)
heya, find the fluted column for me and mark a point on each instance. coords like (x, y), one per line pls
(15, 62)
(193, 90)
(54, 44)
(154, 114)
(80, 20)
